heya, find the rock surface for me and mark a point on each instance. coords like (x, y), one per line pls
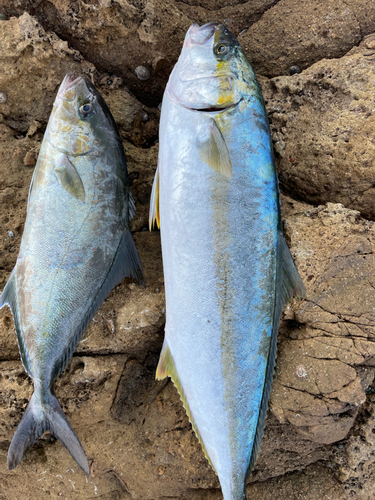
(119, 36)
(319, 439)
(294, 33)
(332, 102)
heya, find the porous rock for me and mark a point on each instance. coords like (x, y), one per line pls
(32, 59)
(33, 64)
(301, 33)
(119, 36)
(322, 123)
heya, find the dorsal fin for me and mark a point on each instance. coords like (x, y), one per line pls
(125, 264)
(154, 203)
(9, 298)
(288, 285)
(213, 150)
(167, 368)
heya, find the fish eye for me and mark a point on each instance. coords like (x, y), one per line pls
(222, 49)
(85, 108)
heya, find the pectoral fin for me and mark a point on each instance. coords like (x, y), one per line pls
(154, 203)
(69, 178)
(213, 150)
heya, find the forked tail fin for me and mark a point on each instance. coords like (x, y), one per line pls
(38, 418)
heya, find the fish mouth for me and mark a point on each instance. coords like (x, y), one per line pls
(214, 108)
(204, 106)
(69, 82)
(202, 34)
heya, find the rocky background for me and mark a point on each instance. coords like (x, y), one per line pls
(316, 65)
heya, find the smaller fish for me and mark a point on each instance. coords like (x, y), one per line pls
(76, 247)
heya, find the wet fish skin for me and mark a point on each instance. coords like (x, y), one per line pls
(228, 271)
(75, 248)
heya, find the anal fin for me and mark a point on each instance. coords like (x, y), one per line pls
(167, 368)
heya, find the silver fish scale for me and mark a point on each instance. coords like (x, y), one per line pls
(75, 248)
(63, 257)
(219, 240)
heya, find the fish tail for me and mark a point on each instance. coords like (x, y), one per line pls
(39, 417)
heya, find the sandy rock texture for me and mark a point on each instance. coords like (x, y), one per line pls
(119, 36)
(32, 59)
(332, 103)
(319, 438)
(294, 33)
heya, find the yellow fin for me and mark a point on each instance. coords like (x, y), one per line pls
(69, 178)
(154, 203)
(167, 368)
(213, 150)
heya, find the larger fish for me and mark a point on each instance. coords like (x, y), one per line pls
(228, 270)
(75, 248)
